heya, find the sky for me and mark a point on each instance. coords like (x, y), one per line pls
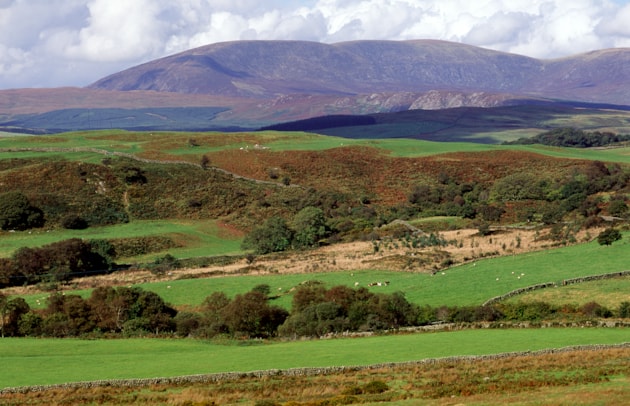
(56, 43)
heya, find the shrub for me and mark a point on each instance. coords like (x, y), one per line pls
(375, 387)
(16, 212)
(309, 227)
(273, 236)
(608, 236)
(74, 222)
(594, 309)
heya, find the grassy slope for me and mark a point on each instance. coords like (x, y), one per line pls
(609, 293)
(175, 144)
(202, 237)
(469, 284)
(48, 361)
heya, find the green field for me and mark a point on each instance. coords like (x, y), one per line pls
(50, 361)
(607, 292)
(176, 143)
(201, 238)
(469, 284)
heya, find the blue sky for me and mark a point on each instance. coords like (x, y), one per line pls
(53, 43)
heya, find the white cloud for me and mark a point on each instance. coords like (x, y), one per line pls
(74, 42)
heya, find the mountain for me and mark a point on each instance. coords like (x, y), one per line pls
(266, 69)
(251, 84)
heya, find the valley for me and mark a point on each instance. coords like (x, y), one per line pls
(362, 222)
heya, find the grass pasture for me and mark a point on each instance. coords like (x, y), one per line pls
(608, 292)
(170, 145)
(49, 361)
(199, 238)
(469, 284)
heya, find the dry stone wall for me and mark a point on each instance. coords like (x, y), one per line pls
(565, 282)
(232, 376)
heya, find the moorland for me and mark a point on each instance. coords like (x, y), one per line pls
(170, 217)
(218, 228)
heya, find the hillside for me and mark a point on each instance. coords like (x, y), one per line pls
(262, 83)
(114, 177)
(267, 68)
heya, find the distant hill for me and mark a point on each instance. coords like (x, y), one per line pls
(467, 124)
(252, 84)
(265, 69)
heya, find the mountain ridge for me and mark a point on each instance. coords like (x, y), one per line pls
(261, 83)
(265, 69)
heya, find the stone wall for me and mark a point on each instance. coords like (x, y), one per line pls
(231, 376)
(554, 285)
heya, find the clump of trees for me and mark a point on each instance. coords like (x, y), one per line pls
(56, 262)
(307, 228)
(525, 196)
(17, 213)
(571, 137)
(127, 311)
(316, 311)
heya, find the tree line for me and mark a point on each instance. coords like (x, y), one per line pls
(57, 262)
(571, 137)
(316, 311)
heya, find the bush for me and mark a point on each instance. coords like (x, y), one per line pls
(74, 222)
(273, 236)
(16, 212)
(608, 236)
(594, 309)
(375, 387)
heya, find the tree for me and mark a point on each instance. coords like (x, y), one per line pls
(11, 311)
(608, 236)
(67, 315)
(154, 313)
(205, 162)
(308, 294)
(618, 207)
(273, 236)
(211, 310)
(251, 315)
(16, 212)
(3, 311)
(310, 226)
(518, 186)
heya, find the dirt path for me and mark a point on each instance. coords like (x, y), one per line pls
(468, 247)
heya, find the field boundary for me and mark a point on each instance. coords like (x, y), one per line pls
(564, 282)
(311, 371)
